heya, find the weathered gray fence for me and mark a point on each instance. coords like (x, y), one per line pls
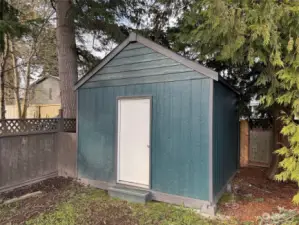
(260, 146)
(30, 155)
(26, 159)
(67, 154)
(257, 143)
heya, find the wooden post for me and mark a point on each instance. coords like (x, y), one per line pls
(61, 123)
(244, 143)
(39, 112)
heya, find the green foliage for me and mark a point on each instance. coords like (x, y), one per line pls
(10, 23)
(229, 198)
(106, 23)
(282, 217)
(251, 33)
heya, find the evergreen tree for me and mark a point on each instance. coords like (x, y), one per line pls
(10, 27)
(104, 20)
(165, 24)
(251, 33)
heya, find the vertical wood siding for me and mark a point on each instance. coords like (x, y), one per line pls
(180, 135)
(225, 136)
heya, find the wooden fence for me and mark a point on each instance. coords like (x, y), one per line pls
(260, 147)
(26, 159)
(256, 143)
(34, 111)
(32, 150)
(67, 154)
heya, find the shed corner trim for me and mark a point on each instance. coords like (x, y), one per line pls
(211, 133)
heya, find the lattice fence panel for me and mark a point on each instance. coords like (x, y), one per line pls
(69, 125)
(16, 126)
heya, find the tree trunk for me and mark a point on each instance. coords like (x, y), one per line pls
(67, 57)
(27, 87)
(2, 88)
(3, 61)
(279, 142)
(16, 78)
(275, 159)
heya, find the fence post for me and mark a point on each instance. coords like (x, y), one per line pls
(244, 143)
(39, 113)
(61, 122)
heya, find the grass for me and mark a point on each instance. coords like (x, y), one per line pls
(93, 206)
(229, 197)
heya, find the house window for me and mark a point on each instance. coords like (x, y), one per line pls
(50, 93)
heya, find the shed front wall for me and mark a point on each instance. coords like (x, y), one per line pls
(180, 134)
(225, 136)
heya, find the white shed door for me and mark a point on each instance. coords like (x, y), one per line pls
(134, 118)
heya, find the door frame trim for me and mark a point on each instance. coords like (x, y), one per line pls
(116, 152)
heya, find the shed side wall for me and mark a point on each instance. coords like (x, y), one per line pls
(180, 135)
(225, 136)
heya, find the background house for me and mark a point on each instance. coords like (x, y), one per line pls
(44, 99)
(154, 121)
(45, 91)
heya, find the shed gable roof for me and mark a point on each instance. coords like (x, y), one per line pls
(156, 47)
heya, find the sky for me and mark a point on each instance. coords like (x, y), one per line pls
(145, 23)
(89, 44)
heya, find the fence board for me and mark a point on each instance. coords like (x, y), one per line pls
(49, 111)
(26, 158)
(34, 111)
(67, 154)
(244, 143)
(261, 145)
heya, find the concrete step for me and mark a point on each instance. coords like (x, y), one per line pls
(130, 194)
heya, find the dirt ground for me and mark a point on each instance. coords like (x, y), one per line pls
(255, 195)
(54, 191)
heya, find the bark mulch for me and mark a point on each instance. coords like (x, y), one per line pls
(54, 191)
(64, 201)
(254, 195)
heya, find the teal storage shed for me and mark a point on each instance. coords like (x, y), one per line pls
(154, 122)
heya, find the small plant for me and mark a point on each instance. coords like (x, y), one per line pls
(259, 199)
(228, 198)
(282, 217)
